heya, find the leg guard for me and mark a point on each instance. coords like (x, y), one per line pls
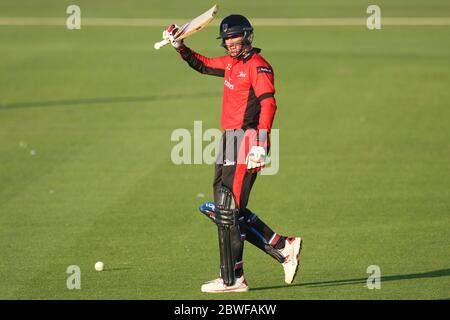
(230, 244)
(209, 210)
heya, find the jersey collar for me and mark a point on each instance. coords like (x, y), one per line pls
(249, 54)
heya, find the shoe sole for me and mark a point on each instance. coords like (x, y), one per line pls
(227, 290)
(297, 257)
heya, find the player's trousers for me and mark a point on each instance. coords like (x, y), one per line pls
(231, 172)
(231, 169)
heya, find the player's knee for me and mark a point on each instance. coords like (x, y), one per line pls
(226, 208)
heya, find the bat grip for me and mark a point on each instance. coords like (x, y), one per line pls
(161, 44)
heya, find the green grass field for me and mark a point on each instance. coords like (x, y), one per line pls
(86, 118)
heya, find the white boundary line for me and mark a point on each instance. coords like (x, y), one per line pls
(263, 22)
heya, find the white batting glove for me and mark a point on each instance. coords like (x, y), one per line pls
(256, 158)
(169, 34)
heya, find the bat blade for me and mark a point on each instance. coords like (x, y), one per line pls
(197, 24)
(191, 27)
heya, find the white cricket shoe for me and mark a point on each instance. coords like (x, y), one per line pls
(217, 286)
(291, 253)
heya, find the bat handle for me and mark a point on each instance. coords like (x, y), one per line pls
(161, 44)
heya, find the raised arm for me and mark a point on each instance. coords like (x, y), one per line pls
(202, 64)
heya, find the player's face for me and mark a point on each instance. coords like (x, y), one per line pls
(234, 45)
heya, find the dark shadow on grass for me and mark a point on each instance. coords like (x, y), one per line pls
(116, 269)
(109, 100)
(423, 275)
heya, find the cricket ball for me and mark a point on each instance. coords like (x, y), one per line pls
(99, 266)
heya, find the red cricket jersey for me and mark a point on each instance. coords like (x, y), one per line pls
(248, 91)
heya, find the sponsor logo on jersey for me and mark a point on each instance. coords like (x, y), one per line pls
(229, 85)
(262, 69)
(241, 74)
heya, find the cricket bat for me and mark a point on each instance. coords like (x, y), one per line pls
(191, 27)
